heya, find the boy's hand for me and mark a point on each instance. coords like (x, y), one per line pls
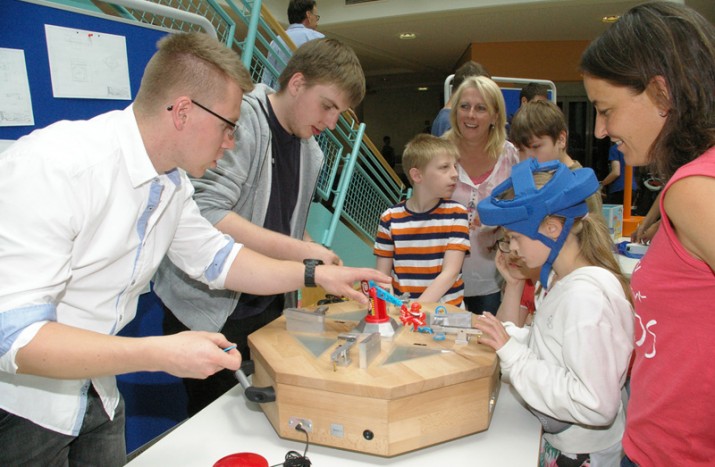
(644, 234)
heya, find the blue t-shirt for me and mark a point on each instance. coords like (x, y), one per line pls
(617, 185)
(441, 123)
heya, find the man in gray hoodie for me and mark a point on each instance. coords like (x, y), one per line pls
(260, 193)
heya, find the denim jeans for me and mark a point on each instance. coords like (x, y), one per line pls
(480, 303)
(100, 442)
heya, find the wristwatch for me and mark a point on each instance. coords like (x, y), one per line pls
(310, 265)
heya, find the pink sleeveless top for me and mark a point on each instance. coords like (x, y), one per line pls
(671, 413)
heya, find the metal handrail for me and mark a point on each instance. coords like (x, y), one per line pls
(351, 161)
(501, 79)
(167, 11)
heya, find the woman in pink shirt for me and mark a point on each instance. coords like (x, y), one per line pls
(651, 77)
(478, 119)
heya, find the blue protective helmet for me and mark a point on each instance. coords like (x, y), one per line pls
(564, 195)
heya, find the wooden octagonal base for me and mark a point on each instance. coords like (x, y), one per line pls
(415, 393)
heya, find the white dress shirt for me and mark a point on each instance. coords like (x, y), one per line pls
(84, 222)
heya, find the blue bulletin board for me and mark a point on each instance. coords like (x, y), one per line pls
(22, 26)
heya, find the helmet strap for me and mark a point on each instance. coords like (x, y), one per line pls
(555, 246)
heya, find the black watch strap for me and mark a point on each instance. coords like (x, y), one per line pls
(309, 277)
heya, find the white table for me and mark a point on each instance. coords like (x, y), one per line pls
(627, 264)
(233, 424)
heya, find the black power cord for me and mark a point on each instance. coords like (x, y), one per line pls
(293, 458)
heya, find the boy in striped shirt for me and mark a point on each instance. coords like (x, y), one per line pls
(422, 241)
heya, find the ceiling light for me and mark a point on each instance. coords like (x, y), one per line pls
(407, 35)
(423, 88)
(610, 19)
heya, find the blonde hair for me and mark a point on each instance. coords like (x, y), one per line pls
(421, 149)
(496, 107)
(193, 64)
(596, 247)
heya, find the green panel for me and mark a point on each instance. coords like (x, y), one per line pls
(352, 249)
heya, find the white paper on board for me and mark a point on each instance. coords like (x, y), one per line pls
(15, 100)
(87, 64)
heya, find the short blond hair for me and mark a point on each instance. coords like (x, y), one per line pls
(193, 64)
(422, 149)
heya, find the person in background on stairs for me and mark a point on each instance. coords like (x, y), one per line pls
(303, 18)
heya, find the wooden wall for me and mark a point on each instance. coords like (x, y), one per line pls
(553, 60)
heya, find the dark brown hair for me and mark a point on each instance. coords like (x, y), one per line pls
(675, 42)
(535, 120)
(327, 61)
(298, 10)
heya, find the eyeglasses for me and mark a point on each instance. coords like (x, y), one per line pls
(231, 125)
(503, 245)
(317, 17)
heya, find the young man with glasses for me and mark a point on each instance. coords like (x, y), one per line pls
(89, 209)
(303, 18)
(260, 194)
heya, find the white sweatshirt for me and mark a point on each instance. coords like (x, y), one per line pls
(572, 363)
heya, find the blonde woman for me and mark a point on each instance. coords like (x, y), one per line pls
(478, 121)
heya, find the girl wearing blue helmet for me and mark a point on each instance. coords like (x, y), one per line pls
(571, 364)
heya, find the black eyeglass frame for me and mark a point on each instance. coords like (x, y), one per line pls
(228, 122)
(503, 245)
